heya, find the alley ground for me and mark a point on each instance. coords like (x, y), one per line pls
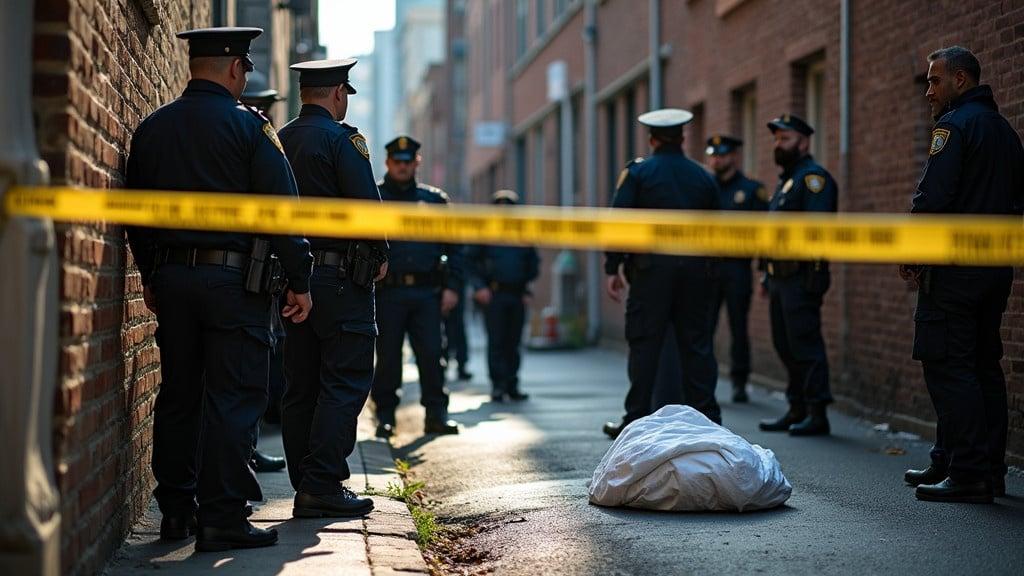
(519, 473)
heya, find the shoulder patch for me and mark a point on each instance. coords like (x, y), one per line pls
(814, 182)
(360, 144)
(272, 135)
(762, 194)
(939, 138)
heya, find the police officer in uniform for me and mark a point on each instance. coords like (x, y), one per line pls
(975, 166)
(212, 307)
(423, 285)
(666, 288)
(796, 288)
(329, 359)
(501, 277)
(737, 279)
(260, 96)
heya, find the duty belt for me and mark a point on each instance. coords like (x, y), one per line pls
(410, 279)
(515, 287)
(194, 256)
(328, 258)
(783, 268)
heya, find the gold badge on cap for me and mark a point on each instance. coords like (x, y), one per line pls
(403, 143)
(814, 183)
(739, 197)
(360, 145)
(272, 135)
(787, 186)
(939, 138)
(716, 140)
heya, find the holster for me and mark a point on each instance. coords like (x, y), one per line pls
(264, 273)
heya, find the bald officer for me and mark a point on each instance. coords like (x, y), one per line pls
(329, 359)
(212, 307)
(666, 288)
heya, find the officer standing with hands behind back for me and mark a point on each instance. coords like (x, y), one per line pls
(329, 359)
(666, 290)
(796, 288)
(212, 293)
(736, 287)
(423, 285)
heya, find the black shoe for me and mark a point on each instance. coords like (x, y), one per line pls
(816, 424)
(950, 490)
(518, 396)
(177, 527)
(345, 504)
(245, 535)
(612, 429)
(497, 396)
(739, 395)
(930, 475)
(385, 430)
(795, 415)
(463, 375)
(265, 463)
(432, 426)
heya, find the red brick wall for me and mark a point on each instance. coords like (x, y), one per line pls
(100, 67)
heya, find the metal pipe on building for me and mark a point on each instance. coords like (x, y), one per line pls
(844, 175)
(654, 51)
(29, 500)
(590, 120)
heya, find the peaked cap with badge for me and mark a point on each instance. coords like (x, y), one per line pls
(402, 148)
(721, 144)
(791, 122)
(222, 41)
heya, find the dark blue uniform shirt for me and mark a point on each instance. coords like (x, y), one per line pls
(515, 265)
(329, 161)
(666, 180)
(742, 193)
(975, 164)
(420, 257)
(206, 141)
(805, 187)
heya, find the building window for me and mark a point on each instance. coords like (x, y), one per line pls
(540, 8)
(522, 17)
(612, 138)
(814, 102)
(744, 103)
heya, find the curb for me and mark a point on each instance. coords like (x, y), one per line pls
(390, 531)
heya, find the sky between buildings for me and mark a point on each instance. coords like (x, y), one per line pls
(347, 26)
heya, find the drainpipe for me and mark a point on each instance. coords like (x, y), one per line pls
(590, 120)
(654, 51)
(29, 501)
(844, 177)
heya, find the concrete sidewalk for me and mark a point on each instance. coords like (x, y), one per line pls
(381, 544)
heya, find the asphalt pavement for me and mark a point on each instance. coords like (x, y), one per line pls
(519, 472)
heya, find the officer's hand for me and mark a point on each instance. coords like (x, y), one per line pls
(382, 273)
(615, 286)
(149, 298)
(297, 306)
(449, 299)
(911, 276)
(483, 296)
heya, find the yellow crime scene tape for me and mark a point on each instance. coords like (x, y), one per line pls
(853, 237)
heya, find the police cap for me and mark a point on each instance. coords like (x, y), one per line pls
(665, 118)
(505, 197)
(721, 144)
(323, 73)
(402, 148)
(223, 41)
(791, 122)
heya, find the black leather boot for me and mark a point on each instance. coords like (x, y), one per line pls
(795, 414)
(265, 463)
(244, 535)
(440, 426)
(613, 430)
(177, 526)
(345, 504)
(931, 475)
(950, 490)
(815, 424)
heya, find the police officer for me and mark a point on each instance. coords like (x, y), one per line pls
(329, 359)
(664, 289)
(796, 288)
(423, 285)
(260, 96)
(212, 309)
(975, 166)
(737, 192)
(501, 277)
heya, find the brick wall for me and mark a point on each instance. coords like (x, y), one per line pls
(100, 66)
